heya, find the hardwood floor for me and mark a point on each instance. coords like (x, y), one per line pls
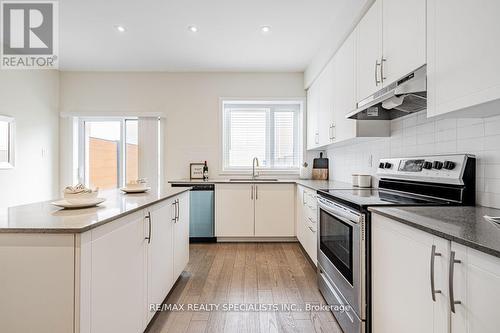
(246, 273)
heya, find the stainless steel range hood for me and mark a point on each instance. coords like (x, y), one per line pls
(405, 96)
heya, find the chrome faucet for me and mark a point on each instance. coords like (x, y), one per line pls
(255, 162)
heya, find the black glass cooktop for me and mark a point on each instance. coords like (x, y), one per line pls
(377, 197)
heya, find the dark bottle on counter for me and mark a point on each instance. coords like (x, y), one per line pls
(205, 171)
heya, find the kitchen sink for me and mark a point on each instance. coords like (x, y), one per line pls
(253, 180)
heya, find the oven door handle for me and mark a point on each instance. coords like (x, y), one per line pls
(349, 218)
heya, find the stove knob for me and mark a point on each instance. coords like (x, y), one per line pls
(449, 165)
(427, 165)
(437, 165)
(387, 165)
(381, 165)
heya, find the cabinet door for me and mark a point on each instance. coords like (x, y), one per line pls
(160, 252)
(404, 39)
(462, 54)
(234, 210)
(369, 52)
(300, 215)
(181, 235)
(476, 284)
(402, 300)
(312, 115)
(118, 282)
(274, 212)
(325, 122)
(344, 89)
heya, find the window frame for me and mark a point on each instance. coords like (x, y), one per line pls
(83, 159)
(265, 104)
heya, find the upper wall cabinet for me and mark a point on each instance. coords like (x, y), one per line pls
(332, 96)
(463, 68)
(369, 52)
(403, 38)
(390, 43)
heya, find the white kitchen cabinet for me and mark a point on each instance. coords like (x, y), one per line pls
(118, 276)
(160, 249)
(326, 110)
(234, 210)
(462, 54)
(254, 210)
(181, 234)
(476, 285)
(300, 226)
(313, 94)
(369, 52)
(391, 42)
(401, 279)
(344, 90)
(404, 38)
(306, 225)
(274, 210)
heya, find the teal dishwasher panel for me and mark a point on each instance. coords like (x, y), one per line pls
(201, 212)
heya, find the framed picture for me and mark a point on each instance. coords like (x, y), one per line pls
(196, 170)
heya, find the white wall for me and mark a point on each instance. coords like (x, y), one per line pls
(416, 135)
(31, 97)
(189, 101)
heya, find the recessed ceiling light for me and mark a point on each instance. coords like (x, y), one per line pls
(120, 28)
(265, 29)
(193, 28)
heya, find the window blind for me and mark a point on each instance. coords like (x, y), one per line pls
(269, 132)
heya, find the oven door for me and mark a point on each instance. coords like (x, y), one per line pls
(341, 251)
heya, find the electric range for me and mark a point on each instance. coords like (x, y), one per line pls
(344, 241)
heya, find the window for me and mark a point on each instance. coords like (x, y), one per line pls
(108, 151)
(6, 142)
(267, 130)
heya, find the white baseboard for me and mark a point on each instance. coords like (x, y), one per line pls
(256, 239)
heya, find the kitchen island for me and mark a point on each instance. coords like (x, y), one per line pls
(95, 269)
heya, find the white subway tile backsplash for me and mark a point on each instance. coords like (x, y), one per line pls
(418, 135)
(472, 131)
(446, 135)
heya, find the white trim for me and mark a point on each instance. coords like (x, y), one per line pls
(109, 114)
(10, 164)
(291, 239)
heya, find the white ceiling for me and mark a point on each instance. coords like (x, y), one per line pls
(229, 37)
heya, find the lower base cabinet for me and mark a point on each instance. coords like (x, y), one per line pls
(133, 263)
(254, 210)
(306, 221)
(412, 281)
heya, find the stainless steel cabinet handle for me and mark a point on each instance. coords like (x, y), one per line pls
(316, 138)
(177, 210)
(333, 131)
(377, 64)
(251, 193)
(382, 72)
(174, 207)
(453, 261)
(149, 227)
(304, 198)
(256, 192)
(434, 254)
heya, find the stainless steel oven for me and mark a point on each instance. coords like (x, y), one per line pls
(341, 260)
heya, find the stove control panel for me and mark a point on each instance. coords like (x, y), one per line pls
(440, 168)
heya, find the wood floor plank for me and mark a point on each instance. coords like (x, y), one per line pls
(249, 274)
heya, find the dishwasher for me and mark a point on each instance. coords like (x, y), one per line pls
(201, 212)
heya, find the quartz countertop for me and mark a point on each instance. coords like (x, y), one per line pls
(461, 224)
(312, 184)
(43, 217)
